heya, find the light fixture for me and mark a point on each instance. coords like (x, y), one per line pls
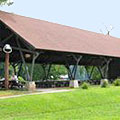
(7, 48)
(27, 55)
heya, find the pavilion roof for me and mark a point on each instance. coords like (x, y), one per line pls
(45, 35)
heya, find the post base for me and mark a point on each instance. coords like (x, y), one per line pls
(102, 81)
(31, 86)
(73, 84)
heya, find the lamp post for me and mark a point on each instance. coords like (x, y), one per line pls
(7, 49)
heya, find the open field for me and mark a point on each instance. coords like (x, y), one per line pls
(92, 104)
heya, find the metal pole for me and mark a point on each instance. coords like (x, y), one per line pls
(7, 71)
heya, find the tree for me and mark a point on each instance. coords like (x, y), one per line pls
(39, 74)
(96, 74)
(57, 71)
(6, 2)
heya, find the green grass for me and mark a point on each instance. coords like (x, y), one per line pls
(92, 104)
(11, 92)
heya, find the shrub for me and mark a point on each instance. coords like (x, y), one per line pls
(21, 80)
(104, 83)
(85, 85)
(117, 82)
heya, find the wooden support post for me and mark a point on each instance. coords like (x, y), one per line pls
(100, 71)
(77, 59)
(69, 72)
(72, 73)
(6, 39)
(33, 63)
(74, 83)
(20, 68)
(92, 71)
(44, 69)
(75, 71)
(23, 60)
(107, 67)
(7, 71)
(7, 49)
(48, 71)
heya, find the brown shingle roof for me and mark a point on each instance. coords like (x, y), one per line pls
(51, 36)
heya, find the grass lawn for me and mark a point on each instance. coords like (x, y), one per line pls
(11, 92)
(92, 104)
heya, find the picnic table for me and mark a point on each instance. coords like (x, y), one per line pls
(12, 84)
(52, 83)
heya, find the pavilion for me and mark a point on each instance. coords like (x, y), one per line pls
(37, 41)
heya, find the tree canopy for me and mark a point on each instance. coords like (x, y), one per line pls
(4, 2)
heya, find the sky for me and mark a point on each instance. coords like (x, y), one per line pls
(92, 15)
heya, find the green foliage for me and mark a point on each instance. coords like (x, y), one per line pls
(6, 2)
(2, 1)
(85, 85)
(56, 71)
(96, 74)
(38, 73)
(1, 70)
(104, 83)
(82, 72)
(117, 82)
(21, 80)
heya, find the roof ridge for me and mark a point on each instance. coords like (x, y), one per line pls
(57, 24)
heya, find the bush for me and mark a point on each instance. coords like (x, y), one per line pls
(104, 83)
(21, 80)
(117, 82)
(85, 85)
